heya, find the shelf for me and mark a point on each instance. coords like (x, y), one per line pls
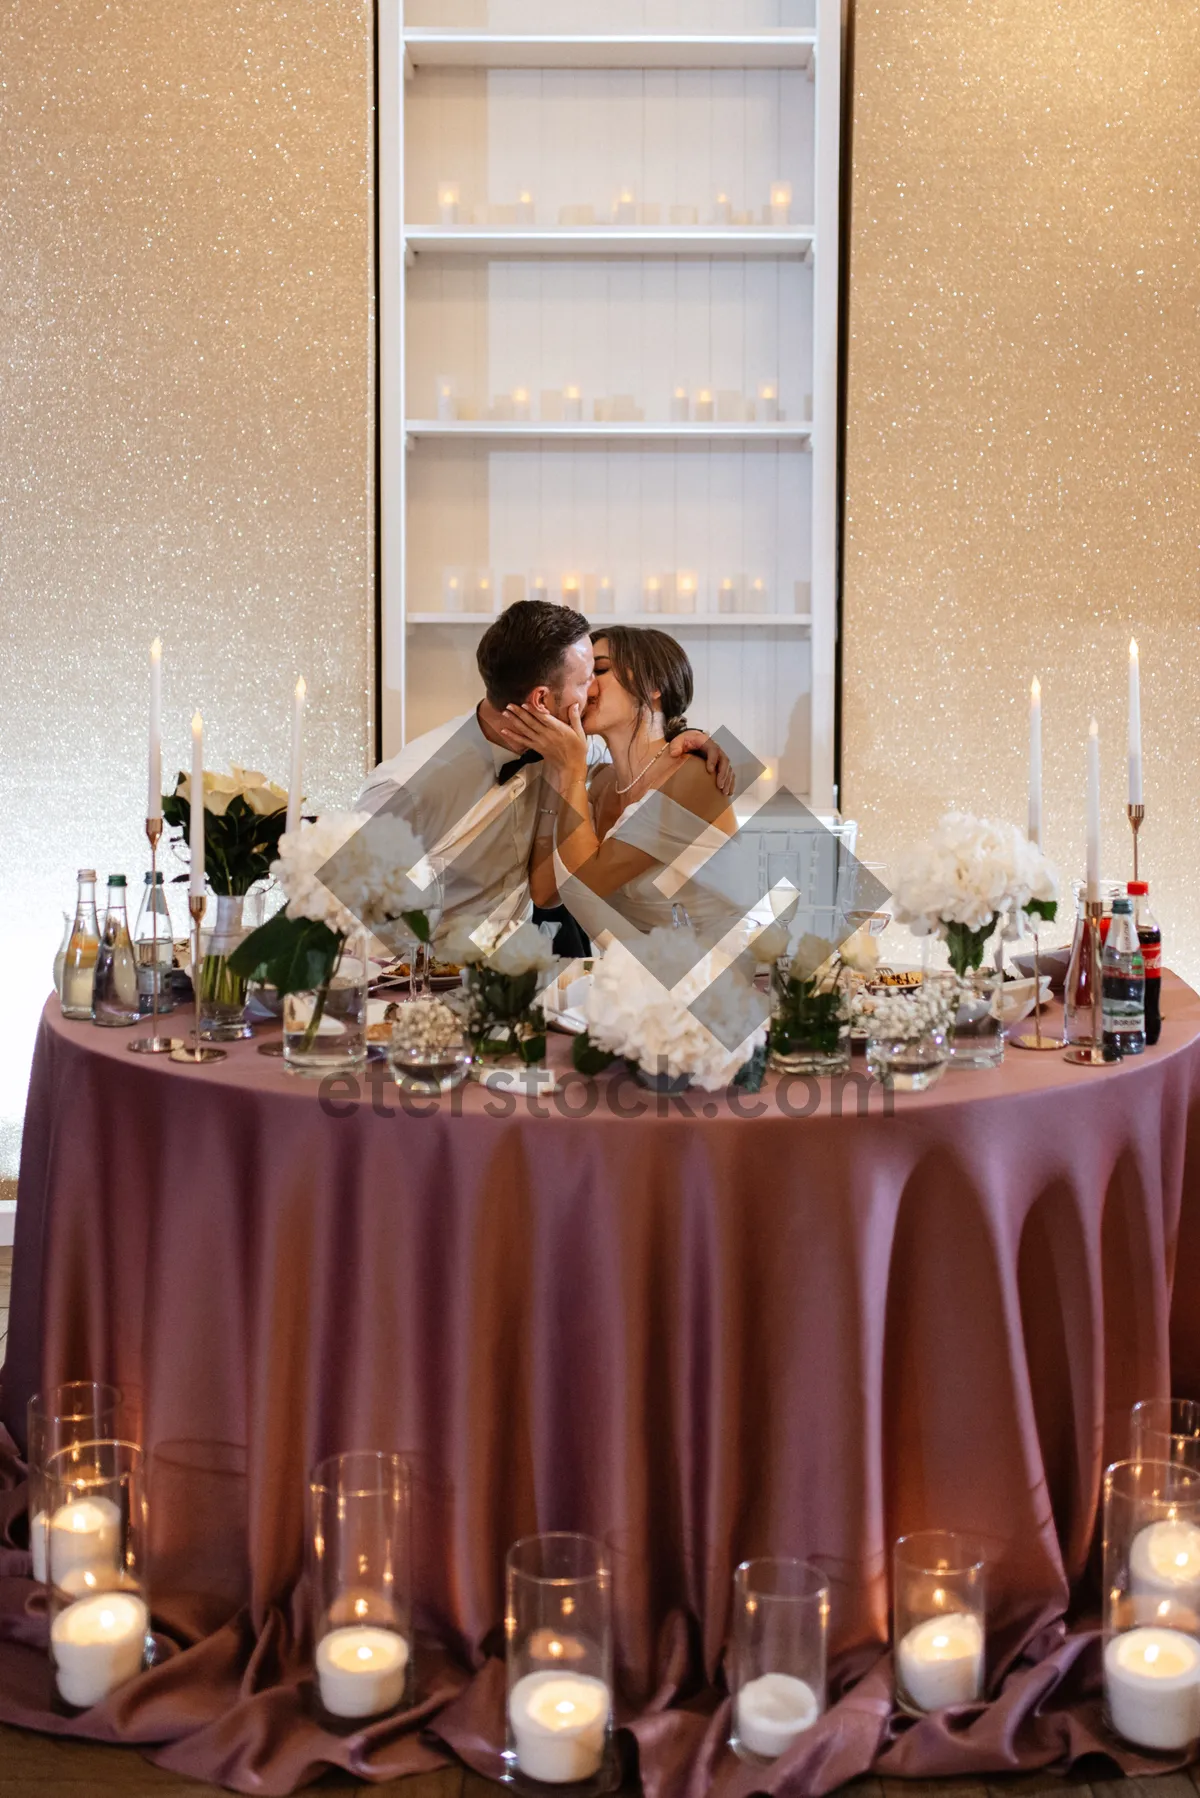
(434, 49)
(703, 621)
(532, 431)
(609, 240)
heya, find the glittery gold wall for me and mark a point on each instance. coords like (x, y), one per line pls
(186, 424)
(1022, 469)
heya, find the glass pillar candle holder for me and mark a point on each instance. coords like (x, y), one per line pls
(780, 1634)
(95, 1496)
(558, 1634)
(1166, 1429)
(360, 1573)
(1152, 1603)
(61, 1416)
(940, 1621)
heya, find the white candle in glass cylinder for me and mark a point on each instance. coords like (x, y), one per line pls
(1152, 1680)
(1164, 1562)
(525, 207)
(448, 202)
(559, 1722)
(768, 403)
(1093, 812)
(360, 1670)
(625, 208)
(447, 411)
(706, 409)
(39, 1528)
(98, 1644)
(681, 406)
(1135, 725)
(572, 405)
(154, 790)
(723, 210)
(772, 1711)
(196, 826)
(83, 1536)
(1035, 762)
(295, 770)
(781, 203)
(521, 403)
(940, 1662)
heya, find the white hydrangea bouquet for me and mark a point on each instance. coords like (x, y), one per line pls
(640, 1007)
(374, 863)
(971, 875)
(504, 970)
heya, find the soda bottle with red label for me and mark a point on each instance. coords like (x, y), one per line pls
(1150, 938)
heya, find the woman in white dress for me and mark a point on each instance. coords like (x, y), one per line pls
(640, 844)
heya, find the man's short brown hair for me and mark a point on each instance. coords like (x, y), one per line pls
(525, 648)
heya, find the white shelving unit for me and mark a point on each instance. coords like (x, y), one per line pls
(690, 291)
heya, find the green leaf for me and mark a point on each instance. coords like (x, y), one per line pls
(752, 1073)
(586, 1058)
(1043, 908)
(418, 923)
(294, 955)
(532, 1049)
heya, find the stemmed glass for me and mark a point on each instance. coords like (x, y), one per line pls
(432, 901)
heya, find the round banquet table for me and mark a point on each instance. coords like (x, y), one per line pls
(701, 1337)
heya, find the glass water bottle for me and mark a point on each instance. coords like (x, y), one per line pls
(60, 958)
(154, 948)
(79, 962)
(115, 989)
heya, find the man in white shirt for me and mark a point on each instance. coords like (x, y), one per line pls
(474, 801)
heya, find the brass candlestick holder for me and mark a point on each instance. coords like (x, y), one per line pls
(1091, 1055)
(154, 1044)
(1137, 816)
(1039, 1040)
(196, 1052)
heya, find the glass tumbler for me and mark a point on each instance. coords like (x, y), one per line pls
(77, 1411)
(1152, 1603)
(780, 1633)
(940, 1620)
(558, 1635)
(95, 1494)
(361, 1574)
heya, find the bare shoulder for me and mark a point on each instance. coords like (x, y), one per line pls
(689, 783)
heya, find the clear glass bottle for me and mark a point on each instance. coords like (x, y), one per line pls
(60, 959)
(79, 962)
(115, 988)
(1150, 937)
(154, 948)
(1123, 986)
(1081, 981)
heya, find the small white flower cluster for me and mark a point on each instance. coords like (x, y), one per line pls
(513, 950)
(260, 794)
(375, 880)
(903, 1015)
(426, 1025)
(970, 870)
(638, 1007)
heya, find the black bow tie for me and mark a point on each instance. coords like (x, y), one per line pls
(510, 768)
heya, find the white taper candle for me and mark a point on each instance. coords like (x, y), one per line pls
(1093, 812)
(196, 832)
(1135, 725)
(295, 773)
(1035, 762)
(154, 786)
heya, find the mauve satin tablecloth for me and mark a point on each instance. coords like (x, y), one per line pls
(700, 1338)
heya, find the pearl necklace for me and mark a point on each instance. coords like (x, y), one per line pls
(645, 770)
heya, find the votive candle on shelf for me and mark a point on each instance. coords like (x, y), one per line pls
(768, 403)
(773, 1711)
(625, 208)
(446, 408)
(1135, 725)
(559, 1722)
(573, 405)
(295, 765)
(361, 1670)
(681, 406)
(781, 202)
(448, 198)
(723, 210)
(1152, 1683)
(1164, 1562)
(196, 825)
(652, 594)
(1093, 813)
(705, 406)
(521, 404)
(485, 592)
(571, 591)
(539, 587)
(758, 595)
(98, 1643)
(452, 591)
(154, 787)
(940, 1662)
(525, 207)
(1035, 762)
(604, 594)
(83, 1537)
(686, 589)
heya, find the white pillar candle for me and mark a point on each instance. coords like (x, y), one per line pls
(196, 802)
(573, 405)
(940, 1662)
(1164, 1562)
(768, 403)
(539, 588)
(571, 591)
(1035, 762)
(448, 202)
(452, 592)
(39, 1525)
(83, 1536)
(604, 594)
(722, 210)
(295, 766)
(520, 402)
(781, 203)
(1135, 725)
(773, 1711)
(360, 1670)
(447, 411)
(525, 207)
(652, 596)
(559, 1722)
(727, 596)
(98, 1644)
(705, 406)
(758, 594)
(625, 208)
(686, 588)
(1093, 812)
(680, 406)
(1152, 1679)
(154, 788)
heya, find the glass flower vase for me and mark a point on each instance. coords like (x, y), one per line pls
(810, 1025)
(978, 1037)
(221, 1000)
(325, 1028)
